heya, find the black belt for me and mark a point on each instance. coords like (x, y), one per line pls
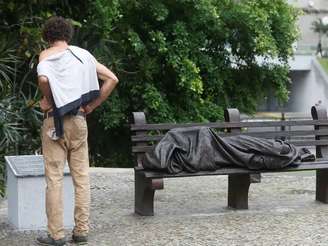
(51, 114)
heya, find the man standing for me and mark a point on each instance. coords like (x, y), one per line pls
(68, 79)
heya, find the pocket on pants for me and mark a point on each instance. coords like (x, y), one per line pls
(80, 128)
(80, 122)
(46, 125)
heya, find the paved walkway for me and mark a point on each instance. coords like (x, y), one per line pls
(192, 211)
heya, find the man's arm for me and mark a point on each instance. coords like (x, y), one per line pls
(43, 82)
(110, 81)
(45, 103)
(45, 88)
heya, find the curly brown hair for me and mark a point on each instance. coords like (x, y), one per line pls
(57, 28)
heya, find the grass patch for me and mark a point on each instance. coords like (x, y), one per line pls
(324, 63)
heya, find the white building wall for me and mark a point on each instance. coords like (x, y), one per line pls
(318, 4)
(308, 38)
(309, 86)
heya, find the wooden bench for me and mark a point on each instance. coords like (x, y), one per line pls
(311, 133)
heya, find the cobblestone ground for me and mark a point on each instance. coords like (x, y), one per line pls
(192, 211)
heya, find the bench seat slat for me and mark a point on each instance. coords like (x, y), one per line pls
(168, 126)
(308, 143)
(318, 165)
(266, 134)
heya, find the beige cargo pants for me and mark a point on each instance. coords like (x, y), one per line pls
(73, 146)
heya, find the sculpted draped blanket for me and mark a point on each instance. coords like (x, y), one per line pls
(200, 148)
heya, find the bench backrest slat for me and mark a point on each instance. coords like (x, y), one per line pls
(265, 134)
(224, 125)
(140, 149)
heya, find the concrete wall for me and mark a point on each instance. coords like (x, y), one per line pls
(309, 39)
(309, 86)
(319, 4)
(307, 89)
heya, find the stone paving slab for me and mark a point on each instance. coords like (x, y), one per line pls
(192, 211)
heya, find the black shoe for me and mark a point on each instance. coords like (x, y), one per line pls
(50, 241)
(80, 240)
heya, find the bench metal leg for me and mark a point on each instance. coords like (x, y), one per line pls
(143, 195)
(238, 187)
(322, 186)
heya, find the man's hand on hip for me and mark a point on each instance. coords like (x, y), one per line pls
(45, 105)
(88, 109)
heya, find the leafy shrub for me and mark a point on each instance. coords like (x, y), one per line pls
(19, 120)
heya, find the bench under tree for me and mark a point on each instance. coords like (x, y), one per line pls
(306, 133)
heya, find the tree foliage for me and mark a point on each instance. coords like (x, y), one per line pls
(177, 60)
(320, 27)
(187, 60)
